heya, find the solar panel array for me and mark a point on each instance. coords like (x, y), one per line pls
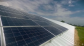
(22, 29)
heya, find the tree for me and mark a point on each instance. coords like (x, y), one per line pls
(63, 21)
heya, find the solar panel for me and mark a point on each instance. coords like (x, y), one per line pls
(7, 21)
(19, 36)
(15, 35)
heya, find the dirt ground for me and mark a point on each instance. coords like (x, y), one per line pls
(76, 39)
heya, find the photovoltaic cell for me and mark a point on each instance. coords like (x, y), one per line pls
(6, 21)
(30, 36)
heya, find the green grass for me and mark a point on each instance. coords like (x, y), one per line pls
(80, 34)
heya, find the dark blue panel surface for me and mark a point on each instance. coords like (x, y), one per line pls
(30, 36)
(42, 23)
(56, 25)
(6, 21)
(54, 30)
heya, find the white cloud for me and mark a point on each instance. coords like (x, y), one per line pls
(62, 11)
(33, 6)
(4, 4)
(50, 10)
(70, 2)
(71, 5)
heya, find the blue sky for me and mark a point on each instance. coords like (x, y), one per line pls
(71, 11)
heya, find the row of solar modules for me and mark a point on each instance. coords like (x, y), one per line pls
(7, 21)
(26, 36)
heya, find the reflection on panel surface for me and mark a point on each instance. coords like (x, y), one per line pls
(53, 30)
(6, 21)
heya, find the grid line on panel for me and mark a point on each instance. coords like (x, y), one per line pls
(51, 25)
(62, 29)
(12, 32)
(34, 36)
(12, 42)
(18, 22)
(39, 35)
(16, 40)
(53, 30)
(31, 40)
(26, 38)
(14, 37)
(46, 35)
(50, 22)
(22, 31)
(44, 28)
(22, 37)
(54, 26)
(57, 26)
